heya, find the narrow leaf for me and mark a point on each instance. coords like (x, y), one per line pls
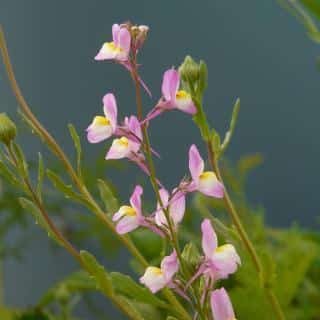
(233, 122)
(40, 220)
(110, 201)
(40, 176)
(98, 272)
(77, 144)
(124, 285)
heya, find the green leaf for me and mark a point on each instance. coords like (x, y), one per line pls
(129, 308)
(110, 201)
(40, 176)
(77, 144)
(77, 282)
(233, 122)
(8, 175)
(191, 255)
(215, 141)
(40, 220)
(125, 286)
(21, 160)
(67, 190)
(313, 6)
(171, 318)
(98, 272)
(203, 77)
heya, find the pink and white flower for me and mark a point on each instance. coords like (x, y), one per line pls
(157, 278)
(205, 182)
(172, 97)
(176, 206)
(129, 218)
(220, 261)
(128, 145)
(221, 305)
(102, 127)
(119, 48)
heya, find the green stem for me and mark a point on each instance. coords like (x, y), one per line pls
(57, 150)
(242, 233)
(153, 179)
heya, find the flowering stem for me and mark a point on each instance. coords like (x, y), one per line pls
(36, 200)
(154, 183)
(205, 129)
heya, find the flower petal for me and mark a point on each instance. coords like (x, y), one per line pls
(110, 109)
(115, 34)
(100, 129)
(127, 224)
(120, 148)
(177, 206)
(209, 185)
(106, 52)
(154, 279)
(225, 260)
(221, 305)
(209, 238)
(170, 84)
(124, 41)
(184, 102)
(170, 266)
(135, 199)
(160, 217)
(196, 164)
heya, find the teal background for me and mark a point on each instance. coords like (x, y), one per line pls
(254, 50)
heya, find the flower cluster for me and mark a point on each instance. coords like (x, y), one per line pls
(217, 262)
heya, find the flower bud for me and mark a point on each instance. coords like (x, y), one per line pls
(8, 129)
(189, 70)
(139, 35)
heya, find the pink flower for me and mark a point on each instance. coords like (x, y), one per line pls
(221, 305)
(204, 181)
(130, 217)
(128, 145)
(220, 261)
(157, 278)
(119, 48)
(102, 127)
(172, 97)
(176, 205)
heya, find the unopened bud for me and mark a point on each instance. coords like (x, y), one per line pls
(139, 34)
(189, 70)
(8, 129)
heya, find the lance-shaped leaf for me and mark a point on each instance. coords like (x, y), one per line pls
(67, 190)
(8, 175)
(98, 272)
(110, 201)
(203, 77)
(77, 282)
(233, 122)
(125, 286)
(77, 144)
(21, 160)
(40, 176)
(190, 255)
(30, 207)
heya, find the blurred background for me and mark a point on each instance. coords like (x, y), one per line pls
(254, 50)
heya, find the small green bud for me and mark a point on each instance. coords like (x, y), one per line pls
(8, 129)
(189, 70)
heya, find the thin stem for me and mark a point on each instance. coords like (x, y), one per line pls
(57, 150)
(243, 234)
(67, 245)
(152, 170)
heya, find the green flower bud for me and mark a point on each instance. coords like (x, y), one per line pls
(189, 70)
(8, 129)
